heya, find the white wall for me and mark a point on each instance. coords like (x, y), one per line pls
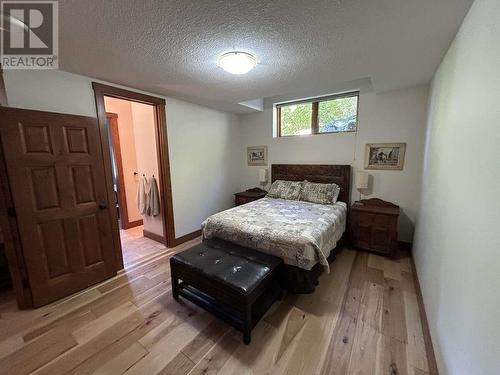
(50, 90)
(204, 162)
(457, 244)
(200, 139)
(397, 116)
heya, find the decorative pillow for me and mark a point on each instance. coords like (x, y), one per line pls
(290, 190)
(320, 193)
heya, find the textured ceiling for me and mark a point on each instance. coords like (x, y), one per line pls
(171, 47)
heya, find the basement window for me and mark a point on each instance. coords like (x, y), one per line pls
(331, 114)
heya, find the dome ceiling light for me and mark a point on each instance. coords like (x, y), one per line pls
(237, 62)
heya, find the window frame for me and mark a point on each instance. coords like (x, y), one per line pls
(315, 113)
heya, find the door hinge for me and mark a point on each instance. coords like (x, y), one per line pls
(11, 211)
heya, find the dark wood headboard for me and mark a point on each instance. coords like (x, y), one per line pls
(321, 173)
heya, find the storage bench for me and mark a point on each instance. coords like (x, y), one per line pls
(235, 283)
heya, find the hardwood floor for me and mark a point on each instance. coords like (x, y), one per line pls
(136, 248)
(363, 319)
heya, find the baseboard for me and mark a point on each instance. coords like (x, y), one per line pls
(187, 237)
(433, 369)
(153, 236)
(131, 224)
(178, 241)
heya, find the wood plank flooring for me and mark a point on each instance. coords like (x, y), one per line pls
(136, 248)
(363, 318)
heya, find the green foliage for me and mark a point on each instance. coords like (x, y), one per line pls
(332, 116)
(336, 109)
(296, 119)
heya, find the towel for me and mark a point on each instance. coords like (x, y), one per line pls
(153, 198)
(142, 197)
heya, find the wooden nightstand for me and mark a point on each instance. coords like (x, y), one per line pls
(374, 226)
(248, 196)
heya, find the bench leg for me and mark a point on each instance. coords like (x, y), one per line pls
(247, 325)
(280, 295)
(175, 286)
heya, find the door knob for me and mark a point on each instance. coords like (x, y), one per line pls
(103, 206)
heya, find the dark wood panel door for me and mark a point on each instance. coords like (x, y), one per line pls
(56, 173)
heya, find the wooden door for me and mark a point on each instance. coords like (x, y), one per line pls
(56, 174)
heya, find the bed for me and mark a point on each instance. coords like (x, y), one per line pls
(303, 234)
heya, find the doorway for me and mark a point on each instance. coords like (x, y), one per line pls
(58, 210)
(134, 161)
(134, 126)
(121, 134)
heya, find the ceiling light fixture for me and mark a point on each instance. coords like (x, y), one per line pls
(237, 62)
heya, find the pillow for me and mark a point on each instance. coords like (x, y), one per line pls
(320, 193)
(290, 190)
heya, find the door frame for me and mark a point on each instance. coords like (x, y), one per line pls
(3, 91)
(164, 181)
(121, 196)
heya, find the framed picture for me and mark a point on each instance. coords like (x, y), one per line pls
(257, 155)
(389, 156)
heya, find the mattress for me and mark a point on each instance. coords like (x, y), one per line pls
(301, 233)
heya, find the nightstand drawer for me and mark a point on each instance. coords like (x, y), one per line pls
(374, 226)
(380, 239)
(362, 237)
(382, 221)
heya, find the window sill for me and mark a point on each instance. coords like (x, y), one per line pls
(314, 134)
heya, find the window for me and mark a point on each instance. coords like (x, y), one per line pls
(333, 114)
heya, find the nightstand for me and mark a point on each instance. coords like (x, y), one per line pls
(374, 226)
(248, 196)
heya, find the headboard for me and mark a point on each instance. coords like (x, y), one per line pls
(321, 173)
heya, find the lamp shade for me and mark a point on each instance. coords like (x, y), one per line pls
(263, 175)
(362, 180)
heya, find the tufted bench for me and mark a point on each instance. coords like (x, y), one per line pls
(235, 283)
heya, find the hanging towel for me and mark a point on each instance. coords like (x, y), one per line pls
(153, 198)
(142, 197)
